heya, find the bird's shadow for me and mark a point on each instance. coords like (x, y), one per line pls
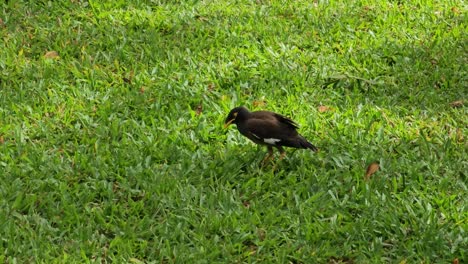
(254, 164)
(294, 161)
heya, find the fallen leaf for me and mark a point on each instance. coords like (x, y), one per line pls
(2, 140)
(456, 261)
(246, 204)
(1, 23)
(323, 108)
(199, 109)
(261, 234)
(455, 10)
(371, 169)
(457, 103)
(460, 137)
(142, 89)
(51, 54)
(259, 103)
(211, 87)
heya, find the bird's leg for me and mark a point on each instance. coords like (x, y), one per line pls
(283, 153)
(268, 156)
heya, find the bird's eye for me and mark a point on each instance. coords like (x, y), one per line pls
(235, 114)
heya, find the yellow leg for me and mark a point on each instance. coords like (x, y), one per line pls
(268, 156)
(282, 155)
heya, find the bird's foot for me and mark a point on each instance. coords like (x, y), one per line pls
(282, 155)
(265, 161)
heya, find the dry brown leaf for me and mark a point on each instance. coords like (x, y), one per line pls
(371, 169)
(259, 103)
(1, 23)
(142, 89)
(456, 261)
(51, 54)
(323, 108)
(455, 10)
(211, 87)
(199, 109)
(460, 137)
(246, 204)
(458, 103)
(261, 234)
(2, 140)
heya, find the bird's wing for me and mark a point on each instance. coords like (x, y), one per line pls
(270, 130)
(286, 121)
(267, 115)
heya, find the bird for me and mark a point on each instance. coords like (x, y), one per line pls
(268, 128)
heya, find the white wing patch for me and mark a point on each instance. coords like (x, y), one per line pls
(271, 141)
(255, 136)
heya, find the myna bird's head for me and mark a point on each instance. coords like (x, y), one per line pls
(235, 115)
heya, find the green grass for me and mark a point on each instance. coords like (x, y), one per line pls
(104, 156)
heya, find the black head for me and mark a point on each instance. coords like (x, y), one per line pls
(235, 115)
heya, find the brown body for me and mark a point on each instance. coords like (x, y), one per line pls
(268, 128)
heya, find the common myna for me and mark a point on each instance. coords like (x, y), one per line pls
(268, 128)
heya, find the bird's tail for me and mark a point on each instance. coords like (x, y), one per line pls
(306, 144)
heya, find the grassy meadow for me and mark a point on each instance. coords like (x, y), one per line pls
(112, 146)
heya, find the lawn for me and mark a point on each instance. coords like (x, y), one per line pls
(112, 146)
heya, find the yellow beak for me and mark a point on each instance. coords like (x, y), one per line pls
(228, 123)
